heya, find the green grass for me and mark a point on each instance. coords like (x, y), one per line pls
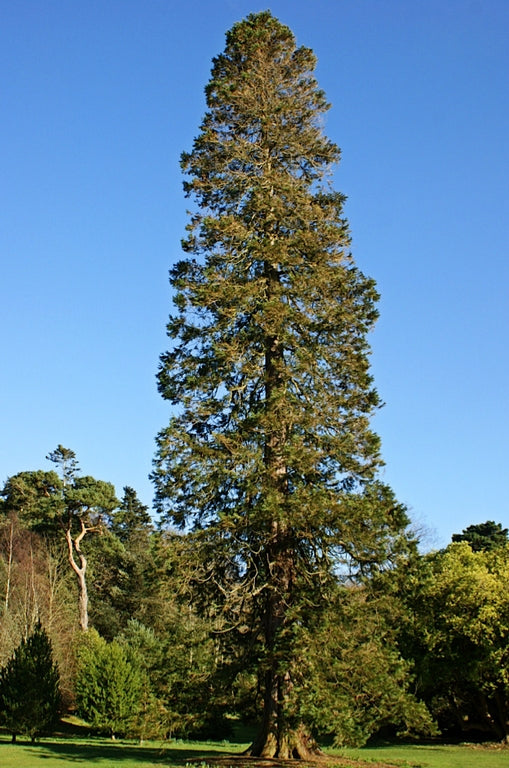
(103, 753)
(432, 756)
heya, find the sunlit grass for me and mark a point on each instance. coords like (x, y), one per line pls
(432, 756)
(104, 753)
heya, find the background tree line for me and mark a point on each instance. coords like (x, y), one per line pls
(425, 640)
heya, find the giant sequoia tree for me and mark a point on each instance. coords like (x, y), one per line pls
(269, 458)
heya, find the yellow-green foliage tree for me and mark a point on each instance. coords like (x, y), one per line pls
(457, 630)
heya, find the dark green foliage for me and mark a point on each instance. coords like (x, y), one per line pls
(364, 684)
(121, 564)
(108, 686)
(483, 536)
(131, 521)
(269, 457)
(191, 688)
(47, 503)
(83, 499)
(65, 458)
(35, 498)
(145, 650)
(29, 692)
(116, 595)
(176, 650)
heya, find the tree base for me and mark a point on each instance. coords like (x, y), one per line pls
(294, 745)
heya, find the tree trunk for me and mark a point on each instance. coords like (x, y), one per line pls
(83, 602)
(74, 545)
(280, 736)
(500, 702)
(276, 739)
(9, 568)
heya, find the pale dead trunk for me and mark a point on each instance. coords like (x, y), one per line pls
(74, 546)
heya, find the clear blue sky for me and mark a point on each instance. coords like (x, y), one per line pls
(98, 99)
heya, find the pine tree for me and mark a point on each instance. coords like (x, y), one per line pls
(70, 504)
(483, 536)
(269, 457)
(132, 519)
(29, 687)
(84, 502)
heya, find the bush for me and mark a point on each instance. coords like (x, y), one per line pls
(108, 685)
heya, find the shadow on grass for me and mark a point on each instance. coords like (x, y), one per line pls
(171, 755)
(117, 753)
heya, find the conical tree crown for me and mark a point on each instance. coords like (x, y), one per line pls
(270, 358)
(29, 686)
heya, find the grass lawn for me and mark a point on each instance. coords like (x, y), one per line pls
(103, 753)
(432, 756)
